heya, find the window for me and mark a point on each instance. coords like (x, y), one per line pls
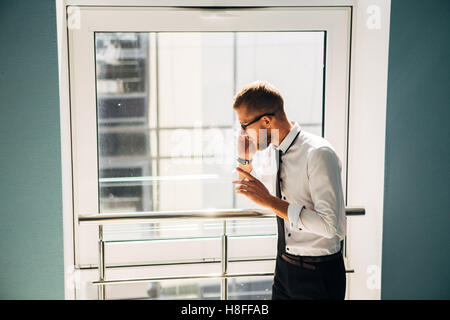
(153, 129)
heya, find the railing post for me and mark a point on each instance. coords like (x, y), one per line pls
(101, 263)
(224, 284)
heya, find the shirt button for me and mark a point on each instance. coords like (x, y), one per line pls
(289, 234)
(284, 198)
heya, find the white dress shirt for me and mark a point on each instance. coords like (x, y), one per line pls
(310, 180)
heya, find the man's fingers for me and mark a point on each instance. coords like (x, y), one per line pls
(244, 188)
(244, 182)
(244, 191)
(245, 174)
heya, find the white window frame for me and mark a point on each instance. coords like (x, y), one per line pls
(372, 60)
(334, 21)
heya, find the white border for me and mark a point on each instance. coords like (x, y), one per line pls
(66, 151)
(367, 123)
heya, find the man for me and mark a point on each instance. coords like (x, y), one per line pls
(309, 201)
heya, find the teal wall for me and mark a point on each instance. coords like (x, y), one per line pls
(416, 236)
(31, 238)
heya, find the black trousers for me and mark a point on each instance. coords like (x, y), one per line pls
(326, 282)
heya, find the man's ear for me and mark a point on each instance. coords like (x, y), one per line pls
(267, 122)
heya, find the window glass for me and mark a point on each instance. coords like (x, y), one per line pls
(165, 118)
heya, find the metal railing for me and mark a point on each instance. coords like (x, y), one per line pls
(145, 217)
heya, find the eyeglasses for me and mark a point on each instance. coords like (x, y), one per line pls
(244, 126)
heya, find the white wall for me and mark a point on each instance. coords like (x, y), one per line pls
(367, 145)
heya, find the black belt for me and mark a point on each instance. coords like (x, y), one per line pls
(303, 261)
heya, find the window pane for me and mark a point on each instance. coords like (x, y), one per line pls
(122, 67)
(167, 290)
(164, 110)
(251, 288)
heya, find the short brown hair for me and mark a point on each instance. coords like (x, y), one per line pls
(260, 96)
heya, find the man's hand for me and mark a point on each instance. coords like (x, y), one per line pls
(253, 189)
(256, 191)
(246, 148)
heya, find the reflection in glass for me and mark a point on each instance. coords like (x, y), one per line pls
(208, 289)
(251, 288)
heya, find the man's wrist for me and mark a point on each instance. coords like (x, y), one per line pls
(272, 202)
(246, 167)
(244, 161)
(278, 206)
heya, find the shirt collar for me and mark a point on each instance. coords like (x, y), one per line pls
(287, 141)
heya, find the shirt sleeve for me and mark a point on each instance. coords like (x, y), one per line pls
(294, 213)
(324, 172)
